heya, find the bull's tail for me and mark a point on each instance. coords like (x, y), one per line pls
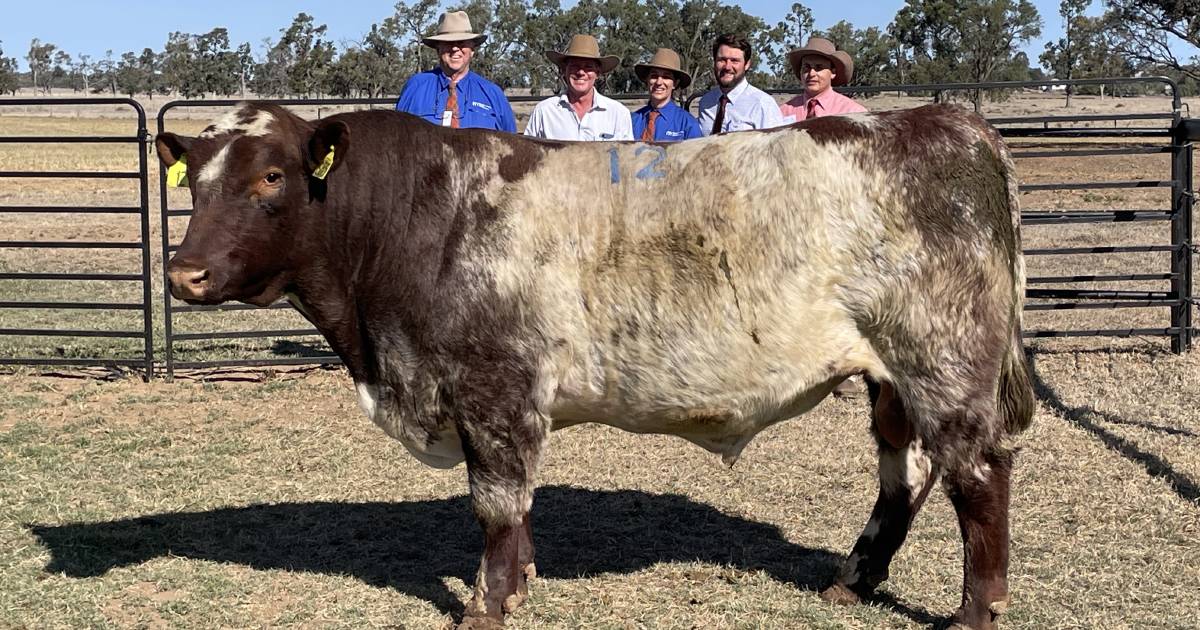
(1015, 392)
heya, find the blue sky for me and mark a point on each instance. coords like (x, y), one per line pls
(93, 26)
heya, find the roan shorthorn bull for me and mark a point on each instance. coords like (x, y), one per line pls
(485, 289)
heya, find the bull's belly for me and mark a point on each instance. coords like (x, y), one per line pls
(722, 421)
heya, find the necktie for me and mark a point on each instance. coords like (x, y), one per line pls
(452, 105)
(648, 134)
(810, 108)
(720, 119)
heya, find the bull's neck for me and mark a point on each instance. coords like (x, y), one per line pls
(381, 253)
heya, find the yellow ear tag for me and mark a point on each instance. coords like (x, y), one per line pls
(177, 173)
(323, 169)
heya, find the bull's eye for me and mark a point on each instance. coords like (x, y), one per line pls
(273, 178)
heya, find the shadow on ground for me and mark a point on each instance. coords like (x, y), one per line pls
(410, 546)
(1082, 417)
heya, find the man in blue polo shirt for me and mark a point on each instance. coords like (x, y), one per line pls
(451, 95)
(662, 120)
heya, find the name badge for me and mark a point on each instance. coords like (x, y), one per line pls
(447, 116)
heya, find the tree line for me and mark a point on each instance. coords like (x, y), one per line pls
(928, 41)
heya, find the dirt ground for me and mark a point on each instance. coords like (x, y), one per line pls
(272, 502)
(246, 498)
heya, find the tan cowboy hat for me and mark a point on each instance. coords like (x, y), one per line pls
(454, 26)
(583, 47)
(843, 65)
(664, 59)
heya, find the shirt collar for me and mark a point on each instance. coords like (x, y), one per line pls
(738, 90)
(598, 101)
(822, 99)
(444, 81)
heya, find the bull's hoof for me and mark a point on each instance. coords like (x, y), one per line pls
(840, 594)
(480, 623)
(980, 619)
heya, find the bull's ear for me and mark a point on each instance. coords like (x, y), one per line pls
(328, 147)
(171, 147)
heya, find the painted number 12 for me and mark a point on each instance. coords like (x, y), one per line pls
(653, 170)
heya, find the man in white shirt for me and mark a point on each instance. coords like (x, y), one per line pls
(581, 112)
(734, 104)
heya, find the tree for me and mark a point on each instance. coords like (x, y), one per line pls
(1144, 31)
(128, 75)
(149, 65)
(81, 74)
(8, 73)
(60, 70)
(39, 60)
(104, 75)
(299, 63)
(180, 73)
(218, 67)
(369, 68)
(1064, 58)
(245, 65)
(407, 25)
(789, 34)
(871, 49)
(965, 40)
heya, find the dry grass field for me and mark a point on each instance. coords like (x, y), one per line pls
(265, 499)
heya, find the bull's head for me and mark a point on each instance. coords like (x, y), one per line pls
(252, 174)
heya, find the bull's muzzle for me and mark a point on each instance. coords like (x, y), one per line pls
(188, 282)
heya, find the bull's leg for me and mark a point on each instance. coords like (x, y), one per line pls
(980, 497)
(906, 475)
(525, 557)
(502, 460)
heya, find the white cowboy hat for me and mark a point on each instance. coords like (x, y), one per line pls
(454, 26)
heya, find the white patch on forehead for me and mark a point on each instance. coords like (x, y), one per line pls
(215, 167)
(240, 121)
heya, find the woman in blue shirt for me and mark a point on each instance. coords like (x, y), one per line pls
(451, 95)
(662, 120)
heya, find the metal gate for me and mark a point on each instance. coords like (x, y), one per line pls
(1096, 137)
(1088, 137)
(24, 300)
(292, 340)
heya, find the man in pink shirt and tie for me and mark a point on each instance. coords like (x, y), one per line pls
(821, 66)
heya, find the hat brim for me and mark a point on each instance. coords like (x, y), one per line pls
(682, 79)
(608, 63)
(433, 40)
(843, 65)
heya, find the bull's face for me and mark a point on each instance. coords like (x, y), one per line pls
(251, 175)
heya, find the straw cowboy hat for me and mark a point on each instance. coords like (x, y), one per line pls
(454, 26)
(583, 47)
(843, 65)
(664, 59)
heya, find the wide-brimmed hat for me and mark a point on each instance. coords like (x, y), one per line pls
(584, 47)
(843, 65)
(454, 26)
(664, 59)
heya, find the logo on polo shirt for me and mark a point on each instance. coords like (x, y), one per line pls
(674, 133)
(482, 105)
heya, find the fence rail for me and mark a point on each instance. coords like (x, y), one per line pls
(139, 141)
(1034, 137)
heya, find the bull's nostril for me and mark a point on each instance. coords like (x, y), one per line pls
(198, 277)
